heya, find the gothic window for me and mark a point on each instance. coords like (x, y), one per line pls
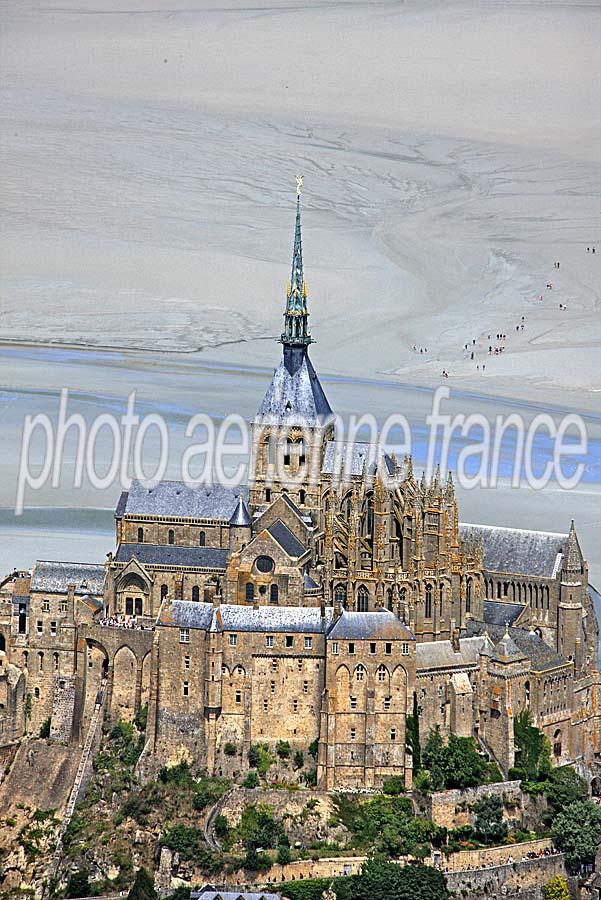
(362, 599)
(250, 591)
(527, 691)
(301, 497)
(389, 598)
(129, 606)
(55, 659)
(340, 594)
(468, 595)
(403, 595)
(360, 673)
(382, 673)
(164, 591)
(22, 618)
(441, 600)
(428, 603)
(273, 593)
(41, 661)
(140, 535)
(202, 539)
(346, 507)
(196, 593)
(368, 517)
(139, 606)
(171, 536)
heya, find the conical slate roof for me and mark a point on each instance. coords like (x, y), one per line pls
(241, 515)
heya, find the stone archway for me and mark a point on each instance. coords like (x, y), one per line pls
(123, 694)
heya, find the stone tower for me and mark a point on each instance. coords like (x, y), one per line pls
(294, 420)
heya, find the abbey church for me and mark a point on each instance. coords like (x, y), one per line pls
(321, 605)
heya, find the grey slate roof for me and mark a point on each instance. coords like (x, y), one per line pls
(309, 582)
(241, 515)
(342, 457)
(121, 504)
(441, 655)
(295, 397)
(515, 550)
(55, 577)
(232, 617)
(171, 555)
(370, 625)
(286, 539)
(498, 613)
(541, 656)
(507, 650)
(174, 498)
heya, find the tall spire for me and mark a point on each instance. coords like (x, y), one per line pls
(296, 317)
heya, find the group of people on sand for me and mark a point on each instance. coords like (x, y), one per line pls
(421, 349)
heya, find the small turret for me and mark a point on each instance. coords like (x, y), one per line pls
(240, 525)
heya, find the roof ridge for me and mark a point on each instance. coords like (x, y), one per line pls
(563, 534)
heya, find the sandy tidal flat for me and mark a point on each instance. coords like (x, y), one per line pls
(450, 153)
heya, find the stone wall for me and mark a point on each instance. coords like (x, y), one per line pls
(524, 879)
(453, 808)
(63, 708)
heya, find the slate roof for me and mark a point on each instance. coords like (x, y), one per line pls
(517, 551)
(286, 539)
(174, 498)
(538, 652)
(498, 613)
(309, 582)
(370, 625)
(55, 577)
(171, 555)
(441, 655)
(342, 457)
(507, 650)
(121, 504)
(232, 617)
(241, 515)
(295, 397)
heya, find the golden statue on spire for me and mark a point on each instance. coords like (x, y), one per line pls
(299, 184)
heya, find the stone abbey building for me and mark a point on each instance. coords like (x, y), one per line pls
(320, 603)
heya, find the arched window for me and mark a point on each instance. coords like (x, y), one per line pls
(403, 595)
(195, 593)
(274, 593)
(25, 658)
(346, 507)
(468, 595)
(171, 536)
(55, 660)
(368, 516)
(428, 603)
(441, 600)
(41, 661)
(302, 497)
(202, 538)
(527, 691)
(250, 591)
(140, 535)
(382, 673)
(164, 591)
(362, 599)
(557, 743)
(340, 594)
(360, 673)
(389, 598)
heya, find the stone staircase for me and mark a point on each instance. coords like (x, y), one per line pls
(84, 762)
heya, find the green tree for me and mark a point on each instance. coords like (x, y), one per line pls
(394, 785)
(299, 759)
(45, 728)
(283, 749)
(382, 880)
(412, 736)
(464, 766)
(577, 831)
(284, 855)
(252, 780)
(143, 887)
(313, 748)
(433, 759)
(564, 786)
(78, 884)
(556, 889)
(489, 826)
(230, 749)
